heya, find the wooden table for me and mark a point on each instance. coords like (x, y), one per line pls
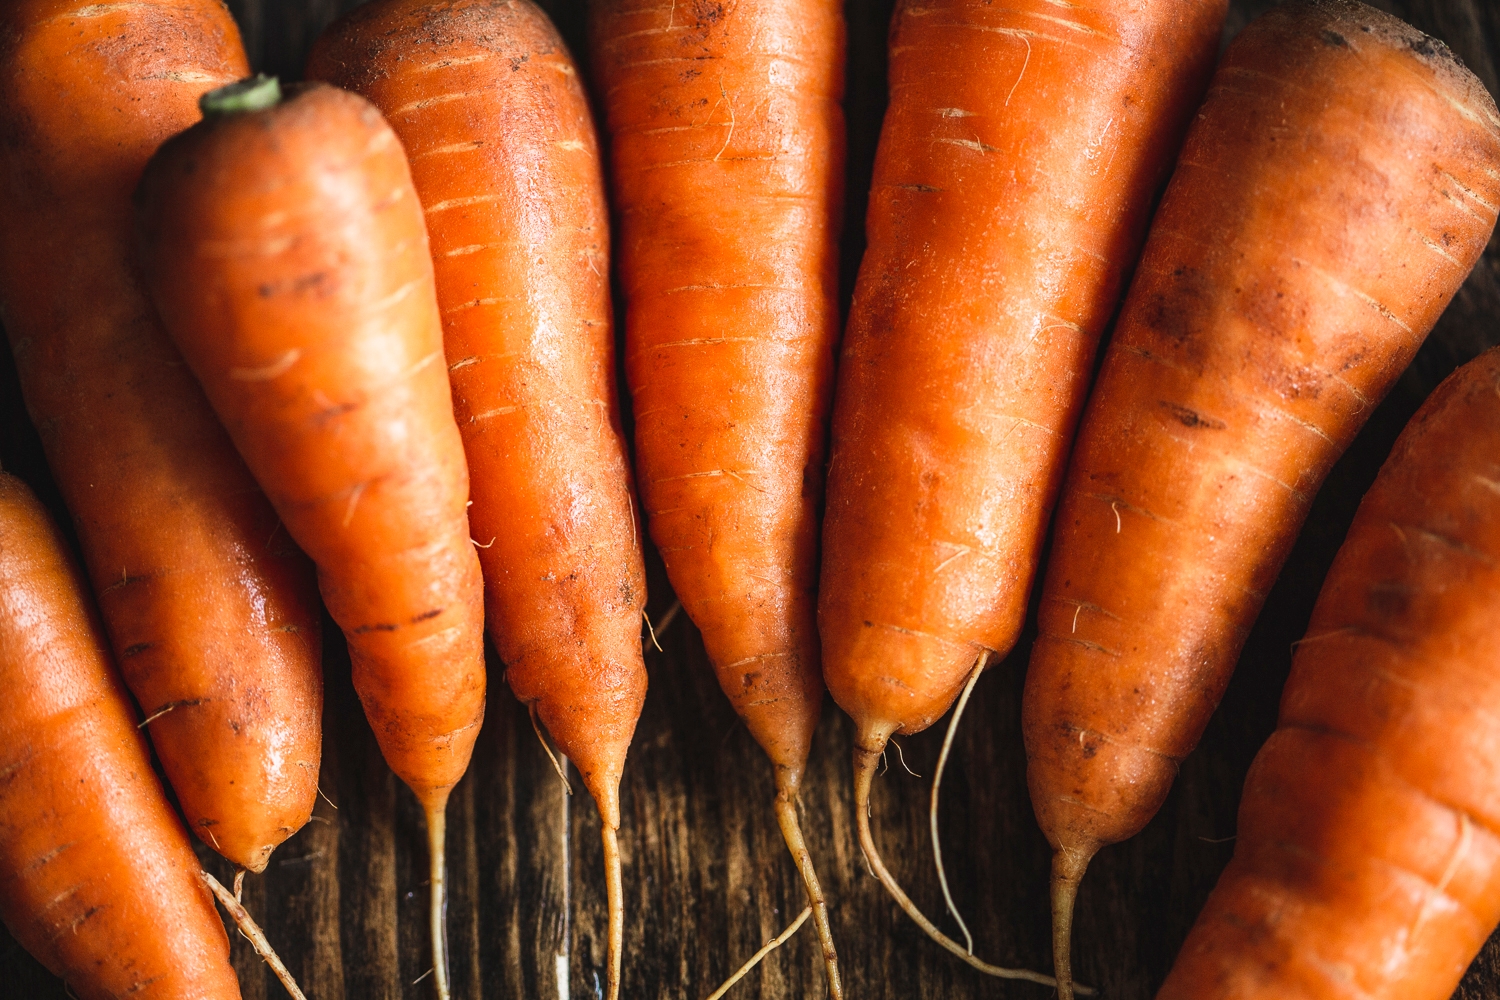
(707, 879)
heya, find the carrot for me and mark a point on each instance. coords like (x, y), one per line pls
(97, 877)
(1338, 184)
(285, 248)
(486, 99)
(727, 156)
(1013, 183)
(1368, 857)
(210, 610)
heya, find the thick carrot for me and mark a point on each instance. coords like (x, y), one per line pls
(1368, 858)
(1336, 188)
(286, 251)
(727, 147)
(97, 877)
(1013, 184)
(209, 607)
(486, 99)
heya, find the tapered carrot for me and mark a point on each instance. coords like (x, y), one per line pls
(1017, 162)
(1338, 184)
(209, 607)
(285, 248)
(496, 125)
(97, 878)
(727, 146)
(1368, 857)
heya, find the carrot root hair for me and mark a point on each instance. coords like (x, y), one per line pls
(937, 784)
(615, 898)
(791, 832)
(252, 932)
(864, 775)
(437, 850)
(1067, 871)
(770, 946)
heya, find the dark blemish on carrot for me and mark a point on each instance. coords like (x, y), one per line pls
(1423, 46)
(426, 615)
(382, 627)
(135, 650)
(1192, 418)
(1333, 39)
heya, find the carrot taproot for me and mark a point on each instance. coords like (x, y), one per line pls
(1367, 862)
(97, 877)
(210, 609)
(286, 251)
(727, 147)
(1338, 184)
(1018, 159)
(489, 105)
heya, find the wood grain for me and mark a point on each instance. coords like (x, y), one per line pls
(707, 878)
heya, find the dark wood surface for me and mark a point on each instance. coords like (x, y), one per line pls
(707, 879)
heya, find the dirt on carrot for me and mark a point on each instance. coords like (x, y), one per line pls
(286, 251)
(727, 151)
(495, 121)
(1013, 184)
(97, 878)
(1368, 858)
(1337, 186)
(209, 606)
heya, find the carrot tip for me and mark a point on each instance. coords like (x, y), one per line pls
(253, 933)
(254, 93)
(615, 895)
(791, 832)
(1067, 871)
(864, 774)
(437, 830)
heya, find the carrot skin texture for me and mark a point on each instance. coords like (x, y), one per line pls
(1330, 199)
(286, 251)
(211, 610)
(727, 146)
(1012, 189)
(510, 176)
(97, 878)
(1368, 857)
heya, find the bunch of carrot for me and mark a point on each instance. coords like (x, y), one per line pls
(388, 307)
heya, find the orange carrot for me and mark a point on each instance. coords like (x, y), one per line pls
(496, 125)
(1336, 188)
(1012, 186)
(97, 877)
(1368, 858)
(286, 251)
(210, 609)
(727, 154)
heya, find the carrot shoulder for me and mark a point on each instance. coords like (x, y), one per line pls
(1336, 188)
(1012, 188)
(286, 250)
(1368, 858)
(495, 122)
(97, 877)
(727, 150)
(210, 608)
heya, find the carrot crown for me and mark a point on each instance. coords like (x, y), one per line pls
(254, 93)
